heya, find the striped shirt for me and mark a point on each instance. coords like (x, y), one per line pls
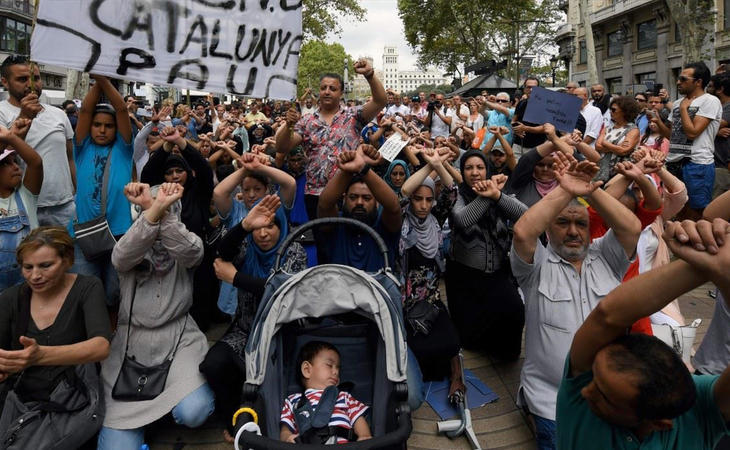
(347, 410)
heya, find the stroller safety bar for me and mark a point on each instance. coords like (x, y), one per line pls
(332, 221)
(253, 440)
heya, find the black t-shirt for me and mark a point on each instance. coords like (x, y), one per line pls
(531, 139)
(259, 140)
(82, 316)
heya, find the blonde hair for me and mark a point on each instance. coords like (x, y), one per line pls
(55, 237)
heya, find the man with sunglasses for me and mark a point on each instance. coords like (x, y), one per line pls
(499, 114)
(642, 120)
(695, 121)
(50, 135)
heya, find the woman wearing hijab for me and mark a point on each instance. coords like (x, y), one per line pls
(430, 333)
(483, 300)
(396, 175)
(156, 260)
(255, 242)
(178, 162)
(533, 177)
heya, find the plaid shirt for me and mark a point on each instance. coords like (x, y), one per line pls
(322, 143)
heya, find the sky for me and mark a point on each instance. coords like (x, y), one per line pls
(380, 27)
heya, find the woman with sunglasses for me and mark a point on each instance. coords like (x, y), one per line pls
(617, 141)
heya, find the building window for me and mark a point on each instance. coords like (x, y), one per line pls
(583, 57)
(615, 46)
(646, 81)
(14, 36)
(614, 85)
(646, 36)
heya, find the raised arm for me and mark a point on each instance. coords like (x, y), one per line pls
(286, 138)
(378, 100)
(124, 126)
(639, 297)
(86, 113)
(33, 178)
(575, 180)
(287, 183)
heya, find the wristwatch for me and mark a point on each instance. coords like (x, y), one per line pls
(363, 171)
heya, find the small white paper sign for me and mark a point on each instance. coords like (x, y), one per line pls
(392, 147)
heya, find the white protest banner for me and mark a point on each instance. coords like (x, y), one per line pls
(242, 47)
(392, 147)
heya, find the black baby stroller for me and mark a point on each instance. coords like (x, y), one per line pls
(359, 313)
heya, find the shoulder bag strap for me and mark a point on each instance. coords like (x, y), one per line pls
(23, 319)
(129, 321)
(105, 183)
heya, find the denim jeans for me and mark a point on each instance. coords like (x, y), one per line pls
(12, 231)
(545, 431)
(192, 411)
(414, 378)
(101, 268)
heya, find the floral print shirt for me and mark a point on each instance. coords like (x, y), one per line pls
(322, 143)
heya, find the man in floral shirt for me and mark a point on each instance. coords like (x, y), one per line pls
(329, 130)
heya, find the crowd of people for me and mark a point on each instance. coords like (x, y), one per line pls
(125, 237)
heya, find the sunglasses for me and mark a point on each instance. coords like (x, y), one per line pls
(614, 109)
(501, 100)
(682, 78)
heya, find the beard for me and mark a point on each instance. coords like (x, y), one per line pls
(571, 253)
(361, 214)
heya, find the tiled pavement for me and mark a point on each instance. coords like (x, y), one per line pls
(499, 425)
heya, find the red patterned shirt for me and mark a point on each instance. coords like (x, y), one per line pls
(347, 410)
(322, 143)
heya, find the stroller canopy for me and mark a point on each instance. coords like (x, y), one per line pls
(323, 291)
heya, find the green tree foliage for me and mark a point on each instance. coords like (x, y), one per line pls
(317, 57)
(455, 33)
(320, 17)
(428, 88)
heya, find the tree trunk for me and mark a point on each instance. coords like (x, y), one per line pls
(695, 23)
(585, 14)
(77, 84)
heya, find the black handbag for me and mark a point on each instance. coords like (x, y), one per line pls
(137, 382)
(421, 315)
(94, 236)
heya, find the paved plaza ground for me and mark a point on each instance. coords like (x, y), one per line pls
(499, 425)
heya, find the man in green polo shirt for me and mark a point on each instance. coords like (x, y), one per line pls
(623, 391)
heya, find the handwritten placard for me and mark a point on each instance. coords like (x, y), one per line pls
(241, 47)
(546, 106)
(392, 146)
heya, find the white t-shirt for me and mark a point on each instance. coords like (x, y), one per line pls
(48, 135)
(701, 149)
(9, 207)
(438, 126)
(594, 122)
(306, 110)
(402, 109)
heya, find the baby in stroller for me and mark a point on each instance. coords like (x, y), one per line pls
(322, 414)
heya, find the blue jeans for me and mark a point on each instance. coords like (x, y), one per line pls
(192, 411)
(414, 378)
(102, 269)
(545, 431)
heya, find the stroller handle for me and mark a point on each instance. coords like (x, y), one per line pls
(332, 221)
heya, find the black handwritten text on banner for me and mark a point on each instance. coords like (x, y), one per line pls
(243, 47)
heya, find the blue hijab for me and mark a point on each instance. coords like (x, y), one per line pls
(396, 162)
(258, 263)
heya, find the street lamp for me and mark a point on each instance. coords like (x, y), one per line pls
(553, 66)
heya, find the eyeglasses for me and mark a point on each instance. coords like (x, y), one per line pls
(682, 78)
(501, 100)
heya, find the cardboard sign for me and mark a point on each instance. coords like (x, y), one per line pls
(392, 147)
(546, 106)
(241, 47)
